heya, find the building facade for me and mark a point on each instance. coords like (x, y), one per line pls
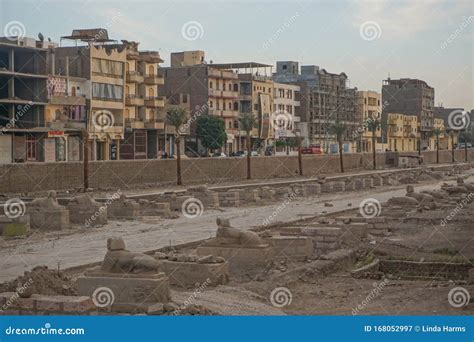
(368, 108)
(324, 99)
(410, 97)
(285, 121)
(402, 132)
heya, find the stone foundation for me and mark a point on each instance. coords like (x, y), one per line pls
(127, 289)
(187, 274)
(49, 218)
(11, 227)
(229, 198)
(291, 247)
(127, 209)
(240, 258)
(90, 215)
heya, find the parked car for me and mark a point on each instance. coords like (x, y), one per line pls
(239, 154)
(268, 151)
(219, 155)
(312, 149)
(462, 145)
(252, 153)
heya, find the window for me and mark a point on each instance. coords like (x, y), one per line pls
(106, 67)
(236, 106)
(236, 87)
(151, 70)
(229, 105)
(211, 104)
(151, 93)
(104, 91)
(31, 148)
(230, 87)
(210, 84)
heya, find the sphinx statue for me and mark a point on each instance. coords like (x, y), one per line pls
(227, 235)
(48, 202)
(119, 260)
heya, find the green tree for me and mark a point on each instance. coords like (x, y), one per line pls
(437, 132)
(247, 122)
(373, 125)
(338, 128)
(211, 131)
(177, 117)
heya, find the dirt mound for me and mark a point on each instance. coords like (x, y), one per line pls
(42, 280)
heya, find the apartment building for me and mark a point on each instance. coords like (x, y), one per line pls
(368, 108)
(410, 97)
(402, 132)
(219, 90)
(102, 63)
(144, 109)
(285, 121)
(41, 112)
(324, 99)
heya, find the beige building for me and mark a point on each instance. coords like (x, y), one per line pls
(403, 132)
(144, 110)
(285, 121)
(368, 107)
(187, 58)
(445, 140)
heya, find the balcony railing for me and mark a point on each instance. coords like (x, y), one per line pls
(134, 77)
(155, 101)
(152, 79)
(134, 100)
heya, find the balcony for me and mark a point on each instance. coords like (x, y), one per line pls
(134, 123)
(154, 124)
(134, 77)
(67, 100)
(224, 113)
(158, 101)
(134, 100)
(154, 79)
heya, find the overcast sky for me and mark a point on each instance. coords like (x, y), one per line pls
(368, 40)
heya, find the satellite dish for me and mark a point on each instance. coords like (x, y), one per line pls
(40, 36)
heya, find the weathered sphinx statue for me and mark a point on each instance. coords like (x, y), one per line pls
(227, 235)
(85, 200)
(48, 202)
(120, 260)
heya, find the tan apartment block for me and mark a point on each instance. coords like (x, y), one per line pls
(367, 108)
(144, 109)
(103, 65)
(285, 106)
(402, 132)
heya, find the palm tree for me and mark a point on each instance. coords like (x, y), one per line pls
(373, 125)
(177, 117)
(247, 122)
(338, 129)
(437, 132)
(451, 134)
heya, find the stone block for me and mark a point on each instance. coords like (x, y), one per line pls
(240, 258)
(267, 193)
(327, 187)
(210, 199)
(125, 288)
(291, 247)
(229, 198)
(89, 215)
(187, 274)
(368, 183)
(150, 208)
(339, 186)
(358, 184)
(313, 189)
(124, 209)
(49, 218)
(11, 227)
(377, 181)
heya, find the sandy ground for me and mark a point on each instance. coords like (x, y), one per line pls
(80, 246)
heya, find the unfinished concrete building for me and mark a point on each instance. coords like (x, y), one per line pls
(325, 99)
(410, 97)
